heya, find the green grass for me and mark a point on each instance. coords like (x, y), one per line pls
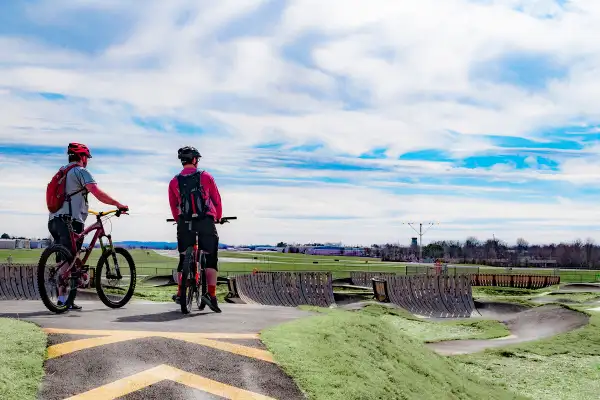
(22, 353)
(360, 355)
(566, 366)
(150, 263)
(343, 346)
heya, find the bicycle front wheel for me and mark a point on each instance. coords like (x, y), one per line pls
(188, 282)
(113, 290)
(54, 278)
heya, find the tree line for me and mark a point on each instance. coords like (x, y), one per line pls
(577, 254)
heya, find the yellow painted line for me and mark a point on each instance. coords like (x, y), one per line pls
(123, 386)
(225, 346)
(90, 332)
(110, 337)
(61, 349)
(154, 375)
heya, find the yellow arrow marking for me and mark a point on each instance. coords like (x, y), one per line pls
(109, 337)
(162, 372)
(61, 349)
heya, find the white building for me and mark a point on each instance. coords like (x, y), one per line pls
(22, 244)
(8, 244)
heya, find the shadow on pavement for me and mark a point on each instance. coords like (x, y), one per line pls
(47, 313)
(159, 317)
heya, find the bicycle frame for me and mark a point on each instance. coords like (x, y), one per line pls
(98, 227)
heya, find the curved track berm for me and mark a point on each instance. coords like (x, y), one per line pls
(289, 289)
(524, 326)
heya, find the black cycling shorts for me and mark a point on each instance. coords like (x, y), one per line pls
(208, 240)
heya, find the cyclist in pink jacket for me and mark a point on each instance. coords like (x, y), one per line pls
(210, 212)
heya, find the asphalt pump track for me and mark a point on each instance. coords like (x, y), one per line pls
(524, 323)
(151, 351)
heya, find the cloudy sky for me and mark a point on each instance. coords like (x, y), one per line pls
(320, 120)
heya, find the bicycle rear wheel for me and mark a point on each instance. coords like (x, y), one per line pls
(188, 282)
(52, 276)
(115, 295)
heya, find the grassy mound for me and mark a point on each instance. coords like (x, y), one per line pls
(22, 353)
(565, 366)
(360, 355)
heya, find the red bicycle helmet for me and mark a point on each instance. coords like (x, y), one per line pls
(80, 149)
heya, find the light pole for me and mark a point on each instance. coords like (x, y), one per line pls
(420, 233)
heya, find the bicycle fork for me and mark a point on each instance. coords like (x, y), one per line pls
(111, 247)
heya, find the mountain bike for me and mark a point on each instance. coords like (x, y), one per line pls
(68, 270)
(191, 278)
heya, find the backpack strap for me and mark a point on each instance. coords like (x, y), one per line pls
(68, 196)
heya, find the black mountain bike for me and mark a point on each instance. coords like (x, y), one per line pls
(191, 278)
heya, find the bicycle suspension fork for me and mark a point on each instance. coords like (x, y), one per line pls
(110, 248)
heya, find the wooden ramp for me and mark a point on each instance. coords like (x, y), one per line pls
(437, 296)
(289, 289)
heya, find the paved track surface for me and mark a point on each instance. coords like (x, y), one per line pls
(151, 351)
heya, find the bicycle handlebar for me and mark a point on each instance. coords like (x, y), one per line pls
(118, 212)
(221, 221)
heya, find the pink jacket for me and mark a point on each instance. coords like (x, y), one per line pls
(213, 199)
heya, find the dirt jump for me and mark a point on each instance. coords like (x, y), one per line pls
(524, 326)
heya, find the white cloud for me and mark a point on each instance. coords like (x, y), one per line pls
(377, 75)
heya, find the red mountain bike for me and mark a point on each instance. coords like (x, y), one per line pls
(191, 278)
(67, 270)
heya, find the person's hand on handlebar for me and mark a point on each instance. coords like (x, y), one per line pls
(121, 209)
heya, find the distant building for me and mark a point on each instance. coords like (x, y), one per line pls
(8, 244)
(335, 251)
(413, 242)
(23, 244)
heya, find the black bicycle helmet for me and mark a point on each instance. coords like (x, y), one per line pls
(188, 153)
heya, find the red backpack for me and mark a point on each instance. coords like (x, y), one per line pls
(55, 192)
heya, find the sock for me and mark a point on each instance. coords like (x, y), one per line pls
(211, 281)
(61, 299)
(179, 275)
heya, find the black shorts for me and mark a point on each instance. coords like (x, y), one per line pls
(60, 233)
(208, 240)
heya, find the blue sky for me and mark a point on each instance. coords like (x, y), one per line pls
(315, 127)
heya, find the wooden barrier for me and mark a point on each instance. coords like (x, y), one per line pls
(516, 281)
(432, 296)
(364, 279)
(289, 289)
(19, 282)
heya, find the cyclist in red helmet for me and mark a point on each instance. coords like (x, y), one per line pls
(79, 182)
(205, 230)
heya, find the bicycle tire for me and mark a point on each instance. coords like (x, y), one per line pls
(203, 287)
(187, 292)
(42, 285)
(98, 277)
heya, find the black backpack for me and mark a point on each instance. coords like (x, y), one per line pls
(191, 195)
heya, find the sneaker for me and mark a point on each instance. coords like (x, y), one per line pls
(212, 303)
(71, 307)
(176, 299)
(202, 305)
